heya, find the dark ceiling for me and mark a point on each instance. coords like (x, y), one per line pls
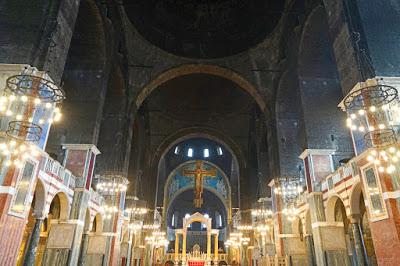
(204, 28)
(200, 97)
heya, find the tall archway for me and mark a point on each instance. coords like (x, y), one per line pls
(35, 217)
(320, 89)
(204, 101)
(85, 76)
(359, 211)
(336, 212)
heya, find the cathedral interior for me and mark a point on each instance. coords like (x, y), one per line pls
(199, 132)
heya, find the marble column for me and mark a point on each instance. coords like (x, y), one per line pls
(310, 250)
(315, 202)
(216, 249)
(30, 254)
(184, 248)
(358, 241)
(208, 248)
(84, 247)
(176, 248)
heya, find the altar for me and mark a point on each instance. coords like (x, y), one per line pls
(196, 257)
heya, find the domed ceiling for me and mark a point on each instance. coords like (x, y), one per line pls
(204, 28)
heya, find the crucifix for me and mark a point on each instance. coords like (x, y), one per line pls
(198, 173)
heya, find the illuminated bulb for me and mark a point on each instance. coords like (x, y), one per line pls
(57, 117)
(41, 121)
(381, 126)
(3, 99)
(371, 128)
(22, 147)
(381, 169)
(30, 120)
(353, 127)
(50, 121)
(353, 116)
(392, 149)
(385, 107)
(374, 153)
(37, 101)
(395, 159)
(361, 129)
(348, 120)
(48, 105)
(383, 153)
(372, 108)
(2, 108)
(18, 117)
(390, 169)
(9, 113)
(24, 98)
(15, 152)
(6, 152)
(57, 109)
(377, 162)
(13, 143)
(8, 163)
(398, 154)
(361, 112)
(12, 97)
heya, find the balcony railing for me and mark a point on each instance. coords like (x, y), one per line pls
(54, 169)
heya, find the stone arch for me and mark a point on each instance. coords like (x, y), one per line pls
(355, 196)
(315, 50)
(40, 198)
(187, 69)
(199, 132)
(320, 88)
(196, 217)
(64, 204)
(97, 223)
(331, 207)
(88, 43)
(85, 76)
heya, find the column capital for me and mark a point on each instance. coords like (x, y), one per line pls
(354, 218)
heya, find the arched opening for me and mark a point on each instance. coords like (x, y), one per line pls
(35, 218)
(58, 210)
(192, 99)
(320, 89)
(336, 212)
(359, 211)
(85, 77)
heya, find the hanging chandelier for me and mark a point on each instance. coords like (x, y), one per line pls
(288, 189)
(28, 106)
(111, 184)
(372, 111)
(157, 239)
